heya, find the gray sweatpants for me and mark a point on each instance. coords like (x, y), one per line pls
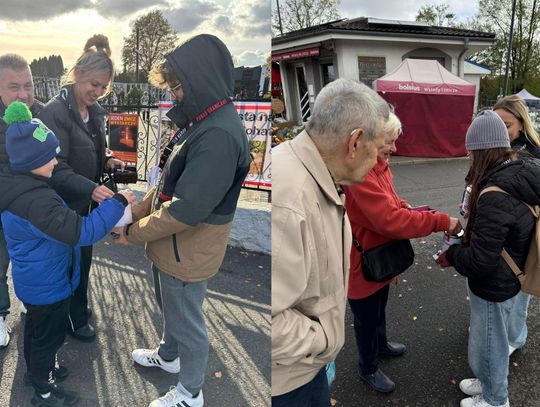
(184, 329)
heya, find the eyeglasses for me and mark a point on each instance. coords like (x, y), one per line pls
(174, 89)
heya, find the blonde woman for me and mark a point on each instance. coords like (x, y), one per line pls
(523, 138)
(78, 121)
(515, 115)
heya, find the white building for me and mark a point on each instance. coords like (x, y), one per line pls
(365, 49)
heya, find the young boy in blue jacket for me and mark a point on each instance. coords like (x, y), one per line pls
(43, 238)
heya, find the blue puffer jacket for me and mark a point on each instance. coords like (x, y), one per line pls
(43, 236)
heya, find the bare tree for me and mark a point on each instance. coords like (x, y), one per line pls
(298, 14)
(156, 37)
(436, 14)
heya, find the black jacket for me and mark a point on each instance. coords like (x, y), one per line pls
(4, 159)
(501, 220)
(215, 151)
(522, 144)
(81, 161)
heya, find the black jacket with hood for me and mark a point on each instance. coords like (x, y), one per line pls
(82, 159)
(501, 221)
(187, 236)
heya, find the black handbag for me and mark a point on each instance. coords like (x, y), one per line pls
(386, 261)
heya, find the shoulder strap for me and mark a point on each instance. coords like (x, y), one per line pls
(504, 254)
(511, 263)
(535, 210)
(357, 244)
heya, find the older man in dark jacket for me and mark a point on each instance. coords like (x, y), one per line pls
(15, 84)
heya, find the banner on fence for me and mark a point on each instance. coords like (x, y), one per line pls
(256, 119)
(123, 132)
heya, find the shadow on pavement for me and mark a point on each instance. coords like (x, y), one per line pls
(126, 316)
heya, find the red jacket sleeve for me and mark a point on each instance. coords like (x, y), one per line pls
(377, 216)
(375, 206)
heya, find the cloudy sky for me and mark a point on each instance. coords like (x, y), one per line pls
(402, 9)
(37, 28)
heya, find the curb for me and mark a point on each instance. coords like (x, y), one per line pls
(394, 161)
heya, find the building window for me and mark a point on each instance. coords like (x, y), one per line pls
(327, 73)
(371, 68)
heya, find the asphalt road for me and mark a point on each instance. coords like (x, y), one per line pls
(126, 316)
(428, 311)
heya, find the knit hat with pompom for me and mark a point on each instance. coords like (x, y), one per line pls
(29, 143)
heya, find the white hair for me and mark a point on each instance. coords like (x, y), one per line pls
(343, 106)
(392, 126)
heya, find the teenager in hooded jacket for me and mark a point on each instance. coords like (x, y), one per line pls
(187, 219)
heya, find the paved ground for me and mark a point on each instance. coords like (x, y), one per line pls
(428, 310)
(237, 312)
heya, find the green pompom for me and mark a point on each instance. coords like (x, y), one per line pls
(17, 112)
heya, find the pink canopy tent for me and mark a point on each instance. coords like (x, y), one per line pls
(434, 106)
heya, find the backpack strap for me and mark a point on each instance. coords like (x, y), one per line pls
(504, 254)
(535, 210)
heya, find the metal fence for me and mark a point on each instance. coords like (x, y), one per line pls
(149, 141)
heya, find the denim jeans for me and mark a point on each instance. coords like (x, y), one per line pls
(488, 346)
(312, 394)
(517, 323)
(4, 263)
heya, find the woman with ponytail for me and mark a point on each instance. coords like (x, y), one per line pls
(78, 121)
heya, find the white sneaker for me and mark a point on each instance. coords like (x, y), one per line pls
(471, 387)
(150, 358)
(4, 333)
(175, 398)
(22, 308)
(478, 401)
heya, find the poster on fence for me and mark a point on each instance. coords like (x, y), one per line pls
(123, 131)
(256, 119)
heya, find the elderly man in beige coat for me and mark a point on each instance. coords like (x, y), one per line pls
(311, 237)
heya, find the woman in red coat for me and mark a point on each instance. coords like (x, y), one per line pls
(378, 215)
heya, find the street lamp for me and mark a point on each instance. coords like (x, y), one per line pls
(279, 18)
(509, 48)
(136, 52)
